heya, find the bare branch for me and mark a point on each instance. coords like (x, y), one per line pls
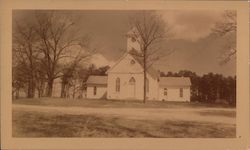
(227, 27)
(149, 30)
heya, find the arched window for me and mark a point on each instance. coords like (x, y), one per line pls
(117, 85)
(181, 92)
(94, 90)
(132, 80)
(132, 62)
(147, 85)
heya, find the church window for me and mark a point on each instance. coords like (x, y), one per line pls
(165, 91)
(132, 62)
(117, 85)
(181, 92)
(132, 81)
(94, 90)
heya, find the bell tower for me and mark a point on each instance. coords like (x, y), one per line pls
(133, 40)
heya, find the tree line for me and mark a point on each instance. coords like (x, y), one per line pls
(72, 81)
(45, 48)
(209, 88)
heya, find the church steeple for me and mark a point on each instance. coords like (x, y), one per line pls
(133, 40)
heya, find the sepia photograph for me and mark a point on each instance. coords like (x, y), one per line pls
(121, 75)
(124, 73)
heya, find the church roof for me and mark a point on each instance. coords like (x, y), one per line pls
(151, 71)
(97, 80)
(174, 81)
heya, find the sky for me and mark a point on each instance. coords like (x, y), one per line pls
(194, 47)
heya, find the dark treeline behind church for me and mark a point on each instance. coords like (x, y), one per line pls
(50, 50)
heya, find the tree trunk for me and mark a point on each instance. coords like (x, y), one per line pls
(39, 93)
(17, 94)
(29, 91)
(144, 87)
(67, 91)
(73, 95)
(63, 90)
(31, 88)
(145, 76)
(42, 89)
(50, 87)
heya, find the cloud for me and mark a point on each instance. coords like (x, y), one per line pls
(99, 60)
(191, 24)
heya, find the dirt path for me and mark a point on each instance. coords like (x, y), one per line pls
(187, 114)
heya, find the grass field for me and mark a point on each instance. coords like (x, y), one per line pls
(56, 122)
(35, 124)
(113, 103)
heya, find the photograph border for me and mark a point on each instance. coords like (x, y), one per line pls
(242, 73)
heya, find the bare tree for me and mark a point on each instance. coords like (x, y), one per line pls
(149, 30)
(227, 27)
(25, 55)
(70, 74)
(58, 45)
(40, 80)
(19, 80)
(76, 85)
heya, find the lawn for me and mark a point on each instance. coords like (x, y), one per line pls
(37, 124)
(103, 103)
(55, 117)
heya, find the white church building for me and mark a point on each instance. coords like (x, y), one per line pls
(125, 81)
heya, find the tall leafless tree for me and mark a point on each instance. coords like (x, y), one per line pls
(227, 27)
(58, 44)
(25, 55)
(150, 31)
